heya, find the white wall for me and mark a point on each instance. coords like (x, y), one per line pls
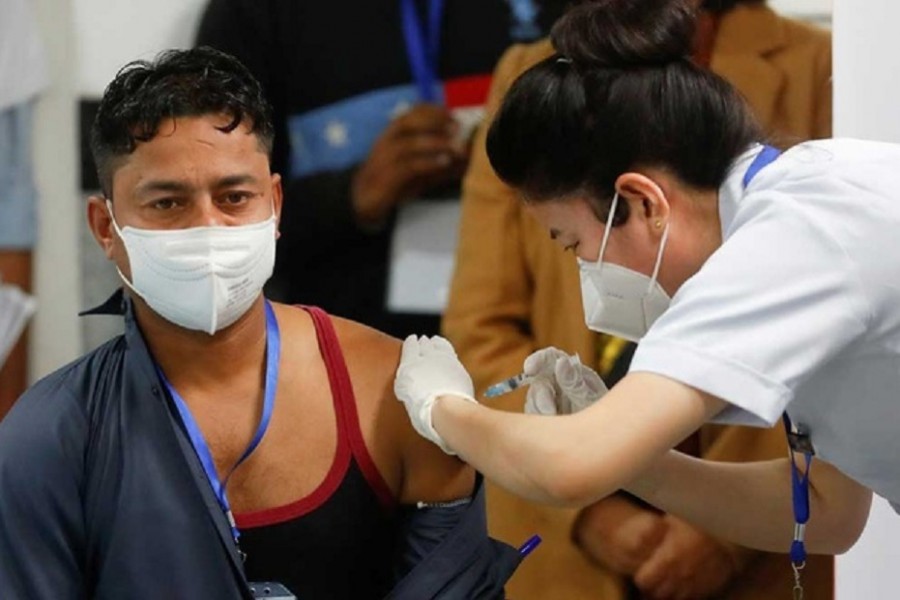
(866, 64)
(55, 335)
(866, 102)
(802, 7)
(109, 34)
(814, 11)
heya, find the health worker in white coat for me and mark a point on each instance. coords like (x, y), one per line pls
(758, 285)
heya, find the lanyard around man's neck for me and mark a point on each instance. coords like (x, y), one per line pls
(273, 354)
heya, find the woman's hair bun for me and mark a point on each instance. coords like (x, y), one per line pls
(625, 33)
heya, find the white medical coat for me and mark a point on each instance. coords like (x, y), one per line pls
(799, 309)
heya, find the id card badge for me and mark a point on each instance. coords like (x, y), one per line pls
(271, 590)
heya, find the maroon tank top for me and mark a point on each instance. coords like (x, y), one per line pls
(341, 540)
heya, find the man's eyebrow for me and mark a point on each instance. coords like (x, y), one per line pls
(554, 233)
(233, 180)
(166, 185)
(162, 185)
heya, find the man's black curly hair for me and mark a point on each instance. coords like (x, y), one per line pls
(177, 83)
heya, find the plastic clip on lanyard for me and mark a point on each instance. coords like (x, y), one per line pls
(423, 46)
(799, 442)
(273, 352)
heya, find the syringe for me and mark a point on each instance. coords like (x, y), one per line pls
(517, 381)
(508, 385)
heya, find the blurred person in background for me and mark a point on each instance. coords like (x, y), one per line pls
(23, 74)
(505, 303)
(373, 105)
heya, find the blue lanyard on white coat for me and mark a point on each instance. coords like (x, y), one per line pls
(797, 440)
(423, 45)
(766, 156)
(273, 352)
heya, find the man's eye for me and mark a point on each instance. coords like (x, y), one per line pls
(237, 197)
(571, 247)
(164, 204)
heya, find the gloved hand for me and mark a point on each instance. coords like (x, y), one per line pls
(561, 385)
(428, 369)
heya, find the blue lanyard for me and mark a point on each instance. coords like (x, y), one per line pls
(765, 157)
(797, 440)
(273, 352)
(423, 46)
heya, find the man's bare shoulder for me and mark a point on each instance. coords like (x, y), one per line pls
(427, 474)
(369, 350)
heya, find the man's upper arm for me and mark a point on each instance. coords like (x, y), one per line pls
(42, 546)
(430, 475)
(414, 469)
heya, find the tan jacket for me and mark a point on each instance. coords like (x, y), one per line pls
(515, 291)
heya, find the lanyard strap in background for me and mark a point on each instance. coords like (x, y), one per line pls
(799, 442)
(273, 353)
(423, 45)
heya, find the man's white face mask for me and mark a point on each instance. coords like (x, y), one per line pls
(201, 278)
(619, 301)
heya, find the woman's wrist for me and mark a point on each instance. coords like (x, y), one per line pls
(442, 404)
(447, 408)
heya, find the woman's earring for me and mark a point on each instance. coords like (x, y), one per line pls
(658, 223)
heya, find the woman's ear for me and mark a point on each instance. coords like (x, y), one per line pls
(646, 199)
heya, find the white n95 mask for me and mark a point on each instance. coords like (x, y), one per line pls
(201, 278)
(619, 301)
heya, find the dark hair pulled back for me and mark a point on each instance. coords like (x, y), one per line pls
(621, 93)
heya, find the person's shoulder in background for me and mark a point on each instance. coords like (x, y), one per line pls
(782, 66)
(753, 24)
(516, 60)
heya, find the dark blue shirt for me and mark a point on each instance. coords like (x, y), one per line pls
(102, 496)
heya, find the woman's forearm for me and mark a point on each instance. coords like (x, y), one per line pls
(500, 445)
(750, 503)
(576, 459)
(624, 441)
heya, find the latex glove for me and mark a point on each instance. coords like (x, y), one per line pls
(561, 385)
(428, 369)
